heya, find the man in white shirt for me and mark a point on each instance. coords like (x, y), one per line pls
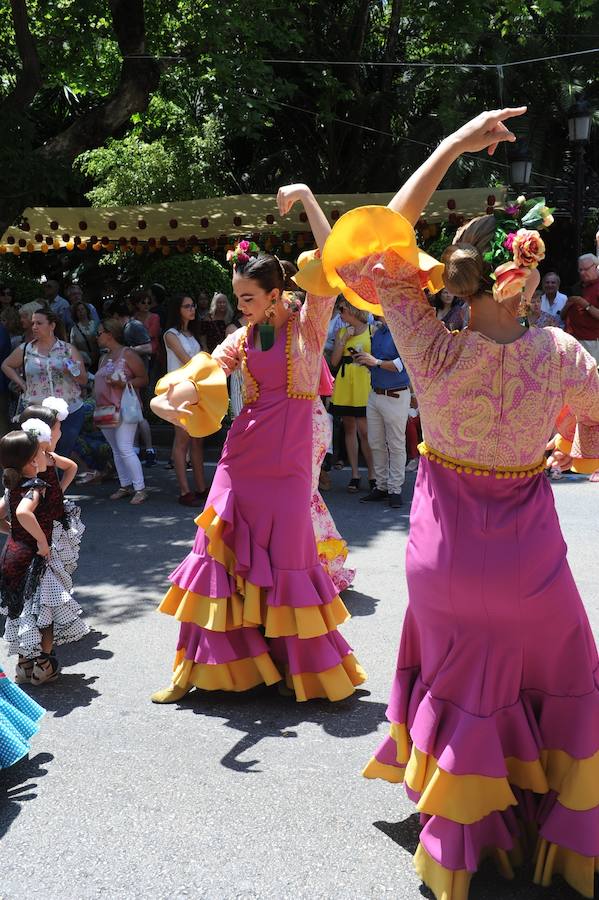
(552, 301)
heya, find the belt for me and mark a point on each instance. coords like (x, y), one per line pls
(345, 360)
(393, 392)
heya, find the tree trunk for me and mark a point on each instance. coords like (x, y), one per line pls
(139, 78)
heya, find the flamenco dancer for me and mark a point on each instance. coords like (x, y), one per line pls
(38, 599)
(254, 603)
(19, 714)
(494, 708)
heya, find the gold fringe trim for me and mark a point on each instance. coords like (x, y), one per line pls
(472, 468)
(245, 369)
(294, 395)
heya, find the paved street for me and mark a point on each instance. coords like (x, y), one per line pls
(223, 797)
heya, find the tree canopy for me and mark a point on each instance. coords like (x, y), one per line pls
(126, 102)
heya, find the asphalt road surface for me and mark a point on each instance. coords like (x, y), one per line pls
(224, 796)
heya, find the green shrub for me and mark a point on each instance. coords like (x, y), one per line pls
(14, 272)
(189, 272)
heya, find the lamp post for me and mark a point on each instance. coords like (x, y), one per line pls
(579, 129)
(520, 162)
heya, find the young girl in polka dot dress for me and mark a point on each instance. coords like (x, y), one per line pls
(19, 714)
(38, 601)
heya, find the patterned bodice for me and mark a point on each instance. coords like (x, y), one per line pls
(306, 332)
(48, 509)
(492, 404)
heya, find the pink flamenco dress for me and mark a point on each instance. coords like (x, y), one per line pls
(494, 707)
(332, 549)
(254, 602)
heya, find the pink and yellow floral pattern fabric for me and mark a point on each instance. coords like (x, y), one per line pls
(493, 404)
(332, 549)
(306, 334)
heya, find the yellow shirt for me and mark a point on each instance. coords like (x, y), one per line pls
(352, 382)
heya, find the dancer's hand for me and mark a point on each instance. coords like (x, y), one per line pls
(486, 131)
(291, 194)
(558, 459)
(43, 549)
(173, 406)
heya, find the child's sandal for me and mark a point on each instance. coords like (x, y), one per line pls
(45, 668)
(23, 671)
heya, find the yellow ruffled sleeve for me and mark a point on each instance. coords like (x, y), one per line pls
(205, 416)
(359, 234)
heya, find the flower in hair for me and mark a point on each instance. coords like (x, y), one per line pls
(58, 406)
(242, 253)
(528, 248)
(510, 280)
(38, 429)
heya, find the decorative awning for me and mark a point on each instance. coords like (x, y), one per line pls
(196, 224)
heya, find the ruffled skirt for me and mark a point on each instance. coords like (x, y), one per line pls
(494, 709)
(245, 622)
(49, 598)
(19, 715)
(332, 549)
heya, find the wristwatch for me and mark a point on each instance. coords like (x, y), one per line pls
(379, 363)
(587, 307)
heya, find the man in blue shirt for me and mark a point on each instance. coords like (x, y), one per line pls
(387, 415)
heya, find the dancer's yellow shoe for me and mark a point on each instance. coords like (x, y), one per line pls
(171, 694)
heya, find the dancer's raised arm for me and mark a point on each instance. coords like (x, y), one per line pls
(293, 193)
(484, 132)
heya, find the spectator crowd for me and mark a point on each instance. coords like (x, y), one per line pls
(104, 356)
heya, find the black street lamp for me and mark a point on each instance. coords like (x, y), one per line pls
(520, 162)
(579, 129)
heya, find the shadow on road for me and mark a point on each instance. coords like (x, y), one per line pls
(71, 691)
(262, 713)
(16, 787)
(359, 604)
(84, 650)
(487, 884)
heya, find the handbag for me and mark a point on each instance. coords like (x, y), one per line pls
(107, 416)
(131, 407)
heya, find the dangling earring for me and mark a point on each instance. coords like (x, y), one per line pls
(267, 331)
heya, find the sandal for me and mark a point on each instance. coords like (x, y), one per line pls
(122, 492)
(45, 668)
(138, 497)
(354, 486)
(339, 464)
(23, 671)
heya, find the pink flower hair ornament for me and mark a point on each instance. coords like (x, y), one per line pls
(243, 252)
